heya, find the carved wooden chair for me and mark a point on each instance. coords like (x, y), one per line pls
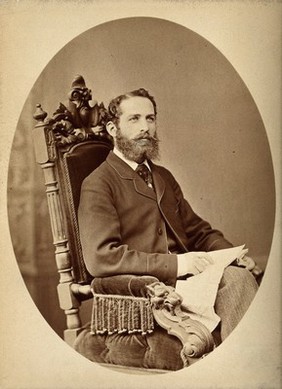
(135, 320)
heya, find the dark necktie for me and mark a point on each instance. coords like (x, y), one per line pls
(145, 174)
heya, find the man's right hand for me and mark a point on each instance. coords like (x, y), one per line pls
(194, 262)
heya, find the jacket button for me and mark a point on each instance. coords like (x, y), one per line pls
(160, 231)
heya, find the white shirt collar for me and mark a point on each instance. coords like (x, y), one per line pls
(132, 164)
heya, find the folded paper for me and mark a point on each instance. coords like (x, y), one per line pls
(199, 291)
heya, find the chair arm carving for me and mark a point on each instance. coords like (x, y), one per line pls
(169, 314)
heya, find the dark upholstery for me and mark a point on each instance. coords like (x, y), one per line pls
(75, 165)
(81, 160)
(124, 284)
(157, 350)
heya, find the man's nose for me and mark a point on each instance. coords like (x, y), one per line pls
(144, 126)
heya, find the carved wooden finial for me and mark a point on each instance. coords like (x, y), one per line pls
(39, 114)
(76, 121)
(78, 82)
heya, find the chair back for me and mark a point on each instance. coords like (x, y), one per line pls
(69, 146)
(75, 165)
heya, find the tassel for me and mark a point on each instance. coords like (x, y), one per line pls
(118, 314)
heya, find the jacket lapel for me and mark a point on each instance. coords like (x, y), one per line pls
(127, 173)
(159, 185)
(142, 188)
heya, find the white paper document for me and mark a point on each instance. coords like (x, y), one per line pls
(199, 291)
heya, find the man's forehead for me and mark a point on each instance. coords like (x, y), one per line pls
(137, 104)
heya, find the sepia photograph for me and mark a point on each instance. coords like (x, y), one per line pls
(141, 202)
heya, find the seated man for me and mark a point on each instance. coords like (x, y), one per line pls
(133, 218)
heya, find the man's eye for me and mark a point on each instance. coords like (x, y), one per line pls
(133, 119)
(151, 119)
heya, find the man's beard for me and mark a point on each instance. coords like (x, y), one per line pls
(139, 148)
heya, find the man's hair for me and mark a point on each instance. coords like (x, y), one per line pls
(114, 110)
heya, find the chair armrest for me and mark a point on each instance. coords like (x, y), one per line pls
(130, 304)
(121, 304)
(125, 285)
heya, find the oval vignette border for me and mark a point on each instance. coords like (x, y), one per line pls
(165, 92)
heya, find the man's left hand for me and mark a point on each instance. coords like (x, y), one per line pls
(246, 262)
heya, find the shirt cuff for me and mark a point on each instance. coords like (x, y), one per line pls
(181, 266)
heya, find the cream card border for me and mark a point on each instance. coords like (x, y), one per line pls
(249, 35)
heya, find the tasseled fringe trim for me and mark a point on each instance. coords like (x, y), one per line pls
(117, 314)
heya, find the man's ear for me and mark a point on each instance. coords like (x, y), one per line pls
(111, 128)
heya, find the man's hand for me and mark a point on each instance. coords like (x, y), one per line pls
(246, 262)
(193, 262)
(250, 265)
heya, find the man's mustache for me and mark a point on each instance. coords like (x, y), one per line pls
(144, 136)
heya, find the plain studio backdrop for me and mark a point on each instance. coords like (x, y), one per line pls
(212, 138)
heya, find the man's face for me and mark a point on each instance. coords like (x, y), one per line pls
(137, 118)
(135, 134)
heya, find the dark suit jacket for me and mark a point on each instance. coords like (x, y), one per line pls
(122, 223)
